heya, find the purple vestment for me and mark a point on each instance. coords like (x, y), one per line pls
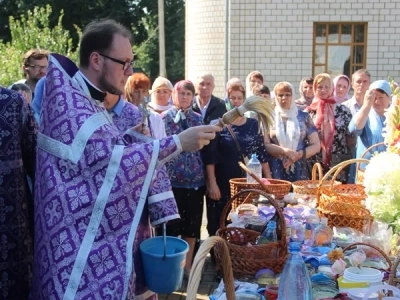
(91, 204)
(17, 160)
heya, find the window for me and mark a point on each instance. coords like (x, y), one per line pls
(339, 48)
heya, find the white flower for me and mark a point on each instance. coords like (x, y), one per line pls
(357, 258)
(338, 266)
(382, 185)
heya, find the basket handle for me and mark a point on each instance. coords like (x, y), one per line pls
(336, 170)
(316, 168)
(366, 151)
(198, 263)
(372, 246)
(266, 195)
(250, 172)
(370, 148)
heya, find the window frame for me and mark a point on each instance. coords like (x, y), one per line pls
(352, 45)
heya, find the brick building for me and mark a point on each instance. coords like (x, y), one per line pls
(291, 39)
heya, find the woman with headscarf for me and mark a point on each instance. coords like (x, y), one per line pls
(332, 120)
(186, 171)
(306, 93)
(136, 88)
(369, 122)
(252, 79)
(293, 138)
(233, 80)
(235, 142)
(160, 95)
(341, 88)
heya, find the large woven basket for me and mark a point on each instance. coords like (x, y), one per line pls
(310, 187)
(278, 188)
(343, 204)
(247, 257)
(360, 172)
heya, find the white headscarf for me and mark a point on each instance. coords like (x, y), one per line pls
(249, 91)
(290, 137)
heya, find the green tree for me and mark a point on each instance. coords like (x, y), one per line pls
(33, 31)
(147, 51)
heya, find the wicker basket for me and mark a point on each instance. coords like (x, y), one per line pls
(247, 257)
(343, 204)
(360, 173)
(198, 263)
(310, 187)
(377, 250)
(278, 188)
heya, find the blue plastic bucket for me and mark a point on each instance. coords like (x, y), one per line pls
(164, 276)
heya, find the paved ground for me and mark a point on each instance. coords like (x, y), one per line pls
(208, 281)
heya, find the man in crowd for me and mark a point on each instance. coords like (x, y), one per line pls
(94, 192)
(34, 67)
(360, 82)
(17, 161)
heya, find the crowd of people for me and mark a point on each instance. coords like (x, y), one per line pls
(92, 158)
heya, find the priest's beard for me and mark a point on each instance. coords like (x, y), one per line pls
(106, 85)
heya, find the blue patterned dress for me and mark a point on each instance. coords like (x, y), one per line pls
(17, 160)
(307, 127)
(186, 172)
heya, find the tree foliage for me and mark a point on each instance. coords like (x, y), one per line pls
(147, 51)
(33, 31)
(23, 25)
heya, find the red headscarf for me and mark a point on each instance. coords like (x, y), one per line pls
(325, 118)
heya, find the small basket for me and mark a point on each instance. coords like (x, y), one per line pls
(247, 257)
(310, 187)
(278, 188)
(343, 204)
(383, 254)
(360, 173)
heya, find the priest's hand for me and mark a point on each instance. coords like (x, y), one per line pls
(195, 138)
(142, 128)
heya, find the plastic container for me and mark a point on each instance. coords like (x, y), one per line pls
(297, 233)
(358, 294)
(313, 218)
(270, 232)
(255, 166)
(355, 278)
(164, 275)
(271, 292)
(295, 281)
(363, 274)
(323, 234)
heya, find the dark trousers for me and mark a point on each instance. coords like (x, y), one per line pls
(214, 212)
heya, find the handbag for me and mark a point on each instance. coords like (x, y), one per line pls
(244, 159)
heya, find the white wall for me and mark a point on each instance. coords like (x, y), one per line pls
(205, 51)
(275, 37)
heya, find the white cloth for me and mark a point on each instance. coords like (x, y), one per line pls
(179, 116)
(157, 126)
(161, 108)
(287, 137)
